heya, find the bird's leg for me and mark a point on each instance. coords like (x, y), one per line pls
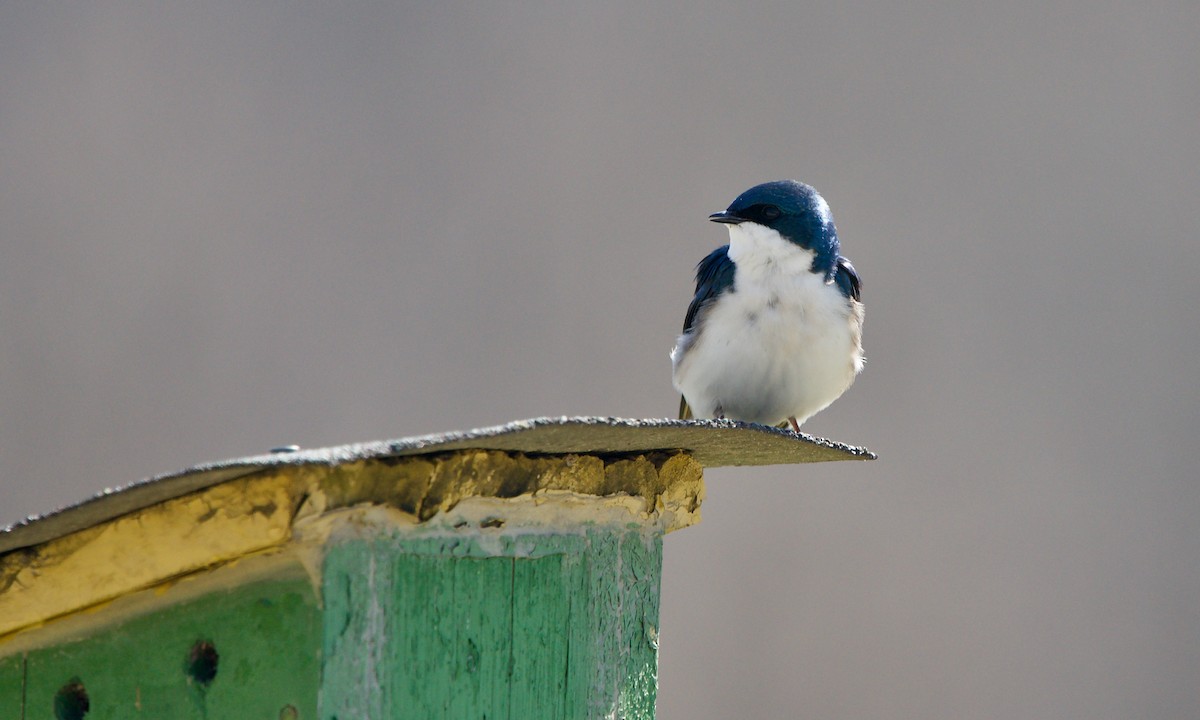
(795, 425)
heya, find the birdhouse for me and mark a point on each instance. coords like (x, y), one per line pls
(508, 572)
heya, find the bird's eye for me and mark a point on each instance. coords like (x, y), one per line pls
(770, 212)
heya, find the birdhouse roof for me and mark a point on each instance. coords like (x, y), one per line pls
(712, 443)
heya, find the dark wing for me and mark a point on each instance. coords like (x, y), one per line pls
(847, 279)
(714, 275)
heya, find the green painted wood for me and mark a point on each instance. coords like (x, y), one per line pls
(266, 636)
(541, 647)
(616, 628)
(482, 637)
(539, 625)
(12, 686)
(353, 672)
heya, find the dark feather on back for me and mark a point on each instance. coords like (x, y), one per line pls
(847, 279)
(714, 275)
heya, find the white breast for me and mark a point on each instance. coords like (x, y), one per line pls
(782, 344)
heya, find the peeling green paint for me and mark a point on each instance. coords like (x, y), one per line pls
(12, 686)
(547, 625)
(411, 623)
(266, 635)
(479, 584)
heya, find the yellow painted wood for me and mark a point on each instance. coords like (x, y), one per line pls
(135, 551)
(295, 504)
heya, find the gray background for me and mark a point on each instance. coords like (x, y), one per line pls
(229, 227)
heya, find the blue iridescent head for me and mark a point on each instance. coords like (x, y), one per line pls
(796, 211)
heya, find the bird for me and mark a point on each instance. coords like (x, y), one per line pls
(774, 332)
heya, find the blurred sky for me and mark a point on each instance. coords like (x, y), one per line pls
(228, 226)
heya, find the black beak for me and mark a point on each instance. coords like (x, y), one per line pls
(725, 217)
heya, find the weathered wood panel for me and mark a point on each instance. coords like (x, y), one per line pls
(556, 626)
(261, 660)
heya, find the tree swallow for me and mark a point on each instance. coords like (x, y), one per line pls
(774, 334)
